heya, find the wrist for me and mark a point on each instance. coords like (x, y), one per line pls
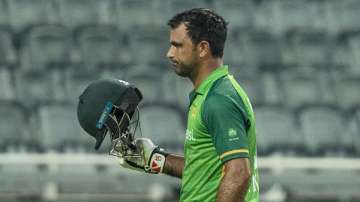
(157, 161)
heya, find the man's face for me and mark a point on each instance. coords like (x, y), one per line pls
(182, 53)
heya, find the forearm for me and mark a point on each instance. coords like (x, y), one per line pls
(233, 188)
(174, 165)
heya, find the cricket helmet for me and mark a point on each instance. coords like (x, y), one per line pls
(108, 105)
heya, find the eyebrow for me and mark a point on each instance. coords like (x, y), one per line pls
(174, 43)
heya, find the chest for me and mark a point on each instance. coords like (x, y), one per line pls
(199, 149)
(196, 132)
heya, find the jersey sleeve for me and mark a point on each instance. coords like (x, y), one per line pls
(226, 121)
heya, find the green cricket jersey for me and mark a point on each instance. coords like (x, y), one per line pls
(220, 127)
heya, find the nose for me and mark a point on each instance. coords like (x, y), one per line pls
(170, 53)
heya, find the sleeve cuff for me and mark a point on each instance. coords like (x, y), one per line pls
(232, 154)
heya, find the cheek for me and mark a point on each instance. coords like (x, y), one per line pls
(185, 54)
(182, 53)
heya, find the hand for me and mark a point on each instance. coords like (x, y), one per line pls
(149, 157)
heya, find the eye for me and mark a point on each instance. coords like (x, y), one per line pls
(176, 45)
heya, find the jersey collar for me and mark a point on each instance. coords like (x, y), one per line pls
(215, 75)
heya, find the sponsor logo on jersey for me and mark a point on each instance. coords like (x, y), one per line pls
(189, 135)
(193, 112)
(232, 132)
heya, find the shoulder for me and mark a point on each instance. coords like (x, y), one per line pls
(223, 86)
(223, 98)
(223, 92)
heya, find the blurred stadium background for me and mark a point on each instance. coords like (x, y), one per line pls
(298, 60)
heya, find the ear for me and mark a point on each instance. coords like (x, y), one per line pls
(204, 48)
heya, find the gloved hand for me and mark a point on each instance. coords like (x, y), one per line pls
(147, 157)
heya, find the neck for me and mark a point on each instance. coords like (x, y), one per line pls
(205, 68)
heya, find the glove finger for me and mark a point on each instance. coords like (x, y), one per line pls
(134, 165)
(130, 165)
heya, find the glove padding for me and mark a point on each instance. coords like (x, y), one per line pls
(149, 157)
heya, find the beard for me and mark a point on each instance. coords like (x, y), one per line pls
(186, 69)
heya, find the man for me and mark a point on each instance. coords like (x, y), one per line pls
(220, 147)
(219, 162)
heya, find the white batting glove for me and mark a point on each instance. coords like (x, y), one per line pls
(151, 158)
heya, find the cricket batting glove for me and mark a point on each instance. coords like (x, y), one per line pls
(151, 158)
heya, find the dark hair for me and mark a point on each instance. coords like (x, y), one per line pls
(203, 25)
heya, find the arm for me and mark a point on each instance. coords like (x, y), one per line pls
(153, 159)
(174, 165)
(235, 182)
(227, 123)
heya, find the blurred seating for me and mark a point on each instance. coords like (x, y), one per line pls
(323, 128)
(354, 44)
(266, 17)
(271, 88)
(278, 54)
(300, 89)
(149, 85)
(354, 129)
(27, 13)
(310, 47)
(321, 77)
(149, 44)
(99, 46)
(108, 180)
(77, 78)
(321, 17)
(140, 12)
(295, 15)
(180, 6)
(326, 79)
(22, 180)
(7, 85)
(283, 138)
(346, 89)
(350, 41)
(77, 13)
(35, 88)
(344, 15)
(8, 54)
(239, 14)
(322, 185)
(164, 124)
(252, 84)
(298, 61)
(176, 89)
(4, 13)
(119, 71)
(59, 129)
(234, 49)
(81, 179)
(342, 52)
(13, 126)
(45, 46)
(261, 48)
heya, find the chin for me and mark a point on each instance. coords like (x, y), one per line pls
(181, 73)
